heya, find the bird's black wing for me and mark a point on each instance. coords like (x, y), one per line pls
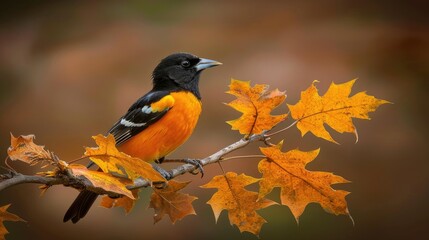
(144, 112)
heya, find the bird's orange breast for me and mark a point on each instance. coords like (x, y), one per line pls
(168, 133)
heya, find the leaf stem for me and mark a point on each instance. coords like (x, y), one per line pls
(221, 167)
(282, 130)
(7, 165)
(77, 159)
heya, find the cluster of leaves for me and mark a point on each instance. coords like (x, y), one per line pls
(286, 170)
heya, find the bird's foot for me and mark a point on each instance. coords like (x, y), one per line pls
(197, 164)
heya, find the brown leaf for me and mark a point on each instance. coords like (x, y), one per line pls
(170, 201)
(24, 149)
(335, 108)
(7, 216)
(256, 105)
(103, 180)
(299, 186)
(240, 203)
(109, 159)
(124, 202)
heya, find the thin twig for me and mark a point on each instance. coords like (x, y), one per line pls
(239, 157)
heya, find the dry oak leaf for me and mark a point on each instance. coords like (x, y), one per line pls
(240, 203)
(256, 105)
(110, 159)
(170, 201)
(24, 149)
(335, 109)
(124, 201)
(103, 180)
(6, 216)
(299, 186)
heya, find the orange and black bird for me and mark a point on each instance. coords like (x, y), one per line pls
(160, 121)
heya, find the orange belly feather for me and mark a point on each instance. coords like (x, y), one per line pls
(168, 133)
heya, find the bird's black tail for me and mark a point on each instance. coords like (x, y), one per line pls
(80, 206)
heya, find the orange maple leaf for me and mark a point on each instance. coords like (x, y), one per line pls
(335, 109)
(240, 203)
(6, 216)
(110, 159)
(170, 201)
(103, 180)
(124, 201)
(256, 105)
(24, 149)
(299, 186)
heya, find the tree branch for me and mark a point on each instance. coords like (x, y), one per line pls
(12, 179)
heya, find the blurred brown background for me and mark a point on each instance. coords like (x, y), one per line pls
(69, 69)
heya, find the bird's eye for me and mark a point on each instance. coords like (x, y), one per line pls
(185, 64)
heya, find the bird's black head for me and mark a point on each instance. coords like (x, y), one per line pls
(180, 71)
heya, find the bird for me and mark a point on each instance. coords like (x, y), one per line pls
(159, 121)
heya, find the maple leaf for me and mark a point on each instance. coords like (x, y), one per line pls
(240, 203)
(335, 109)
(24, 149)
(170, 201)
(124, 201)
(299, 186)
(103, 180)
(6, 216)
(110, 159)
(256, 105)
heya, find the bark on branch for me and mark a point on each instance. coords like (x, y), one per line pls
(13, 178)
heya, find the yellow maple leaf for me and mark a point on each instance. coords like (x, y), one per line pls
(6, 216)
(103, 180)
(171, 202)
(299, 186)
(240, 203)
(124, 201)
(110, 159)
(256, 105)
(335, 109)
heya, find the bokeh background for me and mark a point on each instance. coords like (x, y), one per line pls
(69, 69)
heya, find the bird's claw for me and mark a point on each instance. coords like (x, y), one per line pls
(197, 164)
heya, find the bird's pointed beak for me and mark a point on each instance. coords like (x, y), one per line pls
(206, 63)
